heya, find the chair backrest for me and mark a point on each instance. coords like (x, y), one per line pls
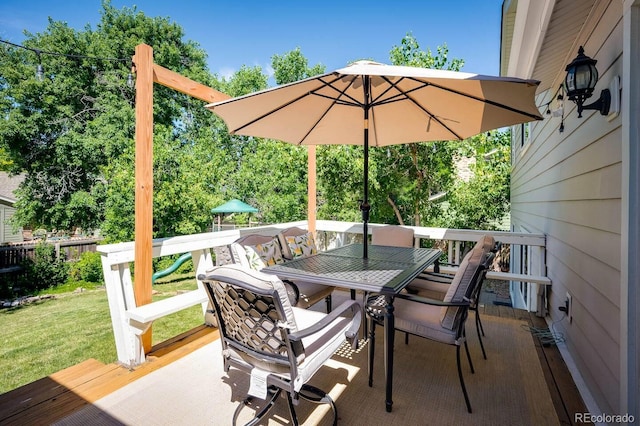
(254, 316)
(482, 274)
(297, 242)
(466, 279)
(392, 235)
(256, 251)
(487, 242)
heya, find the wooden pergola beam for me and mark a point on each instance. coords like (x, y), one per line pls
(148, 73)
(182, 84)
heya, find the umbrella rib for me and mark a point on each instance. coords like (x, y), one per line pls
(268, 113)
(336, 100)
(405, 93)
(486, 101)
(341, 93)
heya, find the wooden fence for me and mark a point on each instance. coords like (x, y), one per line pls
(13, 255)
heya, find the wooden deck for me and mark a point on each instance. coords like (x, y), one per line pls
(57, 396)
(564, 393)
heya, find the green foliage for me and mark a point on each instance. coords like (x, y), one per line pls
(483, 202)
(246, 80)
(5, 161)
(45, 270)
(72, 134)
(293, 66)
(88, 268)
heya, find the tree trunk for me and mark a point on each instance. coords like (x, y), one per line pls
(395, 210)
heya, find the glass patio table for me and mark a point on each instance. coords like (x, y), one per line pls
(387, 270)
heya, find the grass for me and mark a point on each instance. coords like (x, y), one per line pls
(44, 337)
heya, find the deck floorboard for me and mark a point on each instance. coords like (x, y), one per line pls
(55, 397)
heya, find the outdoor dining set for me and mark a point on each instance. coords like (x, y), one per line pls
(262, 302)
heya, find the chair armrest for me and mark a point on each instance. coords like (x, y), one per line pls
(349, 306)
(434, 302)
(437, 277)
(292, 291)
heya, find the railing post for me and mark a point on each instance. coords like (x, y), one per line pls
(202, 262)
(119, 287)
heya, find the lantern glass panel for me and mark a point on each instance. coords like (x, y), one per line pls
(586, 77)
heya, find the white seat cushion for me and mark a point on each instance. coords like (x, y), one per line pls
(422, 320)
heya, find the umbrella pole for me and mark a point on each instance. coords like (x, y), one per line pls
(365, 207)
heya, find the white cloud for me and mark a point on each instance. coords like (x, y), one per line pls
(226, 72)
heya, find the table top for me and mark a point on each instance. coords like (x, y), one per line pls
(387, 269)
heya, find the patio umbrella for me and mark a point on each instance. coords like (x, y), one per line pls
(373, 104)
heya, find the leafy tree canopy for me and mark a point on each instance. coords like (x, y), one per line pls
(72, 134)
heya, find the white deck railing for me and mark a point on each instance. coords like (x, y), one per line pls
(130, 321)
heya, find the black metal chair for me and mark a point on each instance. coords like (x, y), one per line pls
(435, 285)
(277, 344)
(426, 317)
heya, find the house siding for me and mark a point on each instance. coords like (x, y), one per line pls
(569, 187)
(7, 234)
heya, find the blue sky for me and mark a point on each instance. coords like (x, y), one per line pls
(248, 32)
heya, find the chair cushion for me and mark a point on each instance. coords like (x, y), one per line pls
(460, 285)
(301, 245)
(305, 244)
(269, 252)
(422, 320)
(318, 347)
(256, 251)
(255, 260)
(486, 242)
(430, 289)
(310, 293)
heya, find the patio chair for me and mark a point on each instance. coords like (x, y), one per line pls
(392, 235)
(389, 235)
(442, 321)
(256, 251)
(280, 346)
(435, 285)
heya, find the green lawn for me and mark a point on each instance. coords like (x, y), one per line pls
(41, 338)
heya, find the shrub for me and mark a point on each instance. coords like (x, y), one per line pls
(45, 270)
(88, 268)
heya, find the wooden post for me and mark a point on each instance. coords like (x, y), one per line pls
(147, 73)
(311, 188)
(143, 61)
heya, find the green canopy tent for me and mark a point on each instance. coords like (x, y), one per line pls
(232, 206)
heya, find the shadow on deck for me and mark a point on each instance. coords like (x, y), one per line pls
(58, 396)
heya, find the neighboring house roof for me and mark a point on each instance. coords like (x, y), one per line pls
(8, 185)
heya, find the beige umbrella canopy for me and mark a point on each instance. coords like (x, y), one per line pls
(373, 104)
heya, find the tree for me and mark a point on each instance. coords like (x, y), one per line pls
(483, 201)
(293, 66)
(73, 132)
(402, 178)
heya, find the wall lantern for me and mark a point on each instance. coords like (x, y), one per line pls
(580, 81)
